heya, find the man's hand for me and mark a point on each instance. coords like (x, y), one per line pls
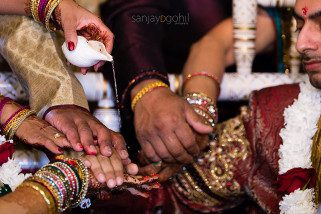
(164, 125)
(84, 131)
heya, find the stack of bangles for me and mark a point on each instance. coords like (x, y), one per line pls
(42, 11)
(12, 124)
(203, 106)
(62, 184)
(148, 88)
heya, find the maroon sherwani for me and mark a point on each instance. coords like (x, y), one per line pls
(145, 49)
(256, 172)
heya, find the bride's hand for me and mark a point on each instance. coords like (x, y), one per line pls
(37, 132)
(108, 170)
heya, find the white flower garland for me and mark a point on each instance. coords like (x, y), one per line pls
(300, 121)
(10, 172)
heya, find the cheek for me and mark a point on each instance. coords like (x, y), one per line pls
(315, 79)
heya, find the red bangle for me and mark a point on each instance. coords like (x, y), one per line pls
(205, 74)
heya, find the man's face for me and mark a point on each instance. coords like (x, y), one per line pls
(308, 16)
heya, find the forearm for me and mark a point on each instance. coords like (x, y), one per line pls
(16, 7)
(212, 54)
(23, 200)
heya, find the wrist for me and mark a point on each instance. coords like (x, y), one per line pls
(67, 106)
(147, 88)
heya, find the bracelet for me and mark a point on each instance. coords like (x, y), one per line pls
(148, 88)
(144, 76)
(10, 127)
(204, 106)
(204, 74)
(42, 11)
(48, 198)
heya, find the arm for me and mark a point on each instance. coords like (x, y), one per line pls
(163, 121)
(13, 7)
(215, 51)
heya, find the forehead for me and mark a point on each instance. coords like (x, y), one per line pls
(311, 6)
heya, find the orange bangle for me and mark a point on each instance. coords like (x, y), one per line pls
(204, 74)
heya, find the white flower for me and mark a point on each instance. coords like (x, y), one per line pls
(298, 202)
(10, 174)
(300, 125)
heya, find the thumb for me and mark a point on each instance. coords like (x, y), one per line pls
(70, 36)
(194, 120)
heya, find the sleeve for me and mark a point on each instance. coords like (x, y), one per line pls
(137, 50)
(217, 181)
(33, 56)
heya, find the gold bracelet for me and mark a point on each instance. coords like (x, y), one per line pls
(49, 13)
(145, 90)
(18, 122)
(7, 128)
(48, 198)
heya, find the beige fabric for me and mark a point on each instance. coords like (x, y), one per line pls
(31, 53)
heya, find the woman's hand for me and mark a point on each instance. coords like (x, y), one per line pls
(75, 19)
(108, 170)
(37, 132)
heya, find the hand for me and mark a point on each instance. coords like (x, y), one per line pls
(84, 131)
(75, 19)
(37, 132)
(164, 125)
(108, 170)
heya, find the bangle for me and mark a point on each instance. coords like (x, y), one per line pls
(143, 76)
(48, 198)
(204, 74)
(204, 106)
(148, 88)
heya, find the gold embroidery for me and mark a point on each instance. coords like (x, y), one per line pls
(212, 178)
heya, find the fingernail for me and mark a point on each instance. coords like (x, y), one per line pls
(111, 183)
(71, 46)
(108, 150)
(124, 154)
(87, 163)
(101, 178)
(92, 148)
(80, 146)
(119, 181)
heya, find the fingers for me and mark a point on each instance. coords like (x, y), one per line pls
(168, 172)
(149, 170)
(57, 137)
(86, 137)
(161, 149)
(51, 146)
(83, 71)
(118, 168)
(195, 121)
(104, 137)
(132, 169)
(119, 145)
(187, 139)
(70, 35)
(176, 148)
(73, 137)
(149, 151)
(96, 168)
(99, 65)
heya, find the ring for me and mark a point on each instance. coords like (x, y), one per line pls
(57, 135)
(159, 163)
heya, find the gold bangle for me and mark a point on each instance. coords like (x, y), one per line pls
(7, 128)
(45, 193)
(49, 13)
(145, 90)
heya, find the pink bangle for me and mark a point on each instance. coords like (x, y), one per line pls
(205, 74)
(12, 116)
